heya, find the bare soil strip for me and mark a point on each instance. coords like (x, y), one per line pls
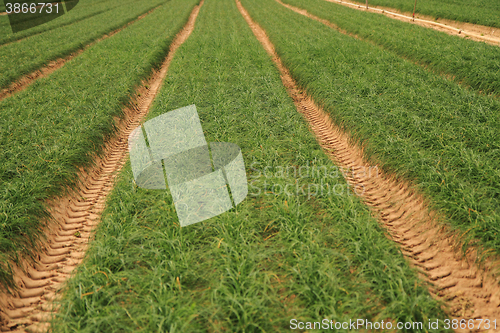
(77, 215)
(41, 32)
(468, 290)
(54, 65)
(475, 32)
(319, 19)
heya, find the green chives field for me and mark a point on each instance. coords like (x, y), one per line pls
(53, 126)
(482, 12)
(468, 62)
(439, 135)
(424, 105)
(275, 257)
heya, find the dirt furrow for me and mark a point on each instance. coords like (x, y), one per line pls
(469, 291)
(475, 32)
(325, 22)
(76, 216)
(54, 65)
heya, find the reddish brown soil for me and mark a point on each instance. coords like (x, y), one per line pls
(28, 79)
(475, 32)
(468, 290)
(76, 217)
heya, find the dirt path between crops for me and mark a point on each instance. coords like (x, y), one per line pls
(475, 32)
(469, 291)
(54, 65)
(319, 19)
(76, 216)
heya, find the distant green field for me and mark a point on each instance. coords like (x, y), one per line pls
(468, 62)
(84, 10)
(484, 12)
(29, 54)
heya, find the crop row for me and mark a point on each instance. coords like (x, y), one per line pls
(482, 12)
(85, 9)
(435, 133)
(54, 126)
(475, 64)
(28, 55)
(276, 256)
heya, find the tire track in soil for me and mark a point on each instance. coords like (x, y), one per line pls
(76, 216)
(479, 33)
(468, 291)
(26, 80)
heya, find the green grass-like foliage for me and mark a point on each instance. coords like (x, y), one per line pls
(475, 64)
(482, 12)
(84, 10)
(437, 134)
(275, 256)
(55, 125)
(27, 55)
